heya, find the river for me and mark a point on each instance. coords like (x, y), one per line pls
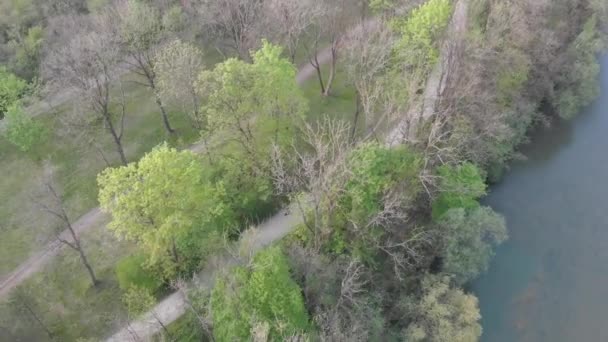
(549, 282)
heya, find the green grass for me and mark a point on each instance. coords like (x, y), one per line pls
(23, 228)
(64, 298)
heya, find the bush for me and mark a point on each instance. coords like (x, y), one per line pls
(21, 130)
(131, 272)
(460, 187)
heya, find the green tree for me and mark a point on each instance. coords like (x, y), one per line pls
(162, 203)
(443, 314)
(27, 52)
(459, 186)
(578, 85)
(138, 300)
(263, 294)
(21, 130)
(235, 91)
(11, 89)
(382, 185)
(470, 237)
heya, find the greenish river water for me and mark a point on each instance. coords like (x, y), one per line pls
(549, 282)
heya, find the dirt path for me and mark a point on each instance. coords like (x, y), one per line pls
(174, 306)
(276, 227)
(436, 82)
(95, 217)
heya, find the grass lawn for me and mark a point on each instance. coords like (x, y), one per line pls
(63, 298)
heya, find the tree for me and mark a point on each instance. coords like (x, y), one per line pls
(50, 200)
(163, 204)
(443, 314)
(330, 25)
(381, 188)
(262, 294)
(176, 67)
(469, 238)
(314, 176)
(236, 23)
(367, 51)
(288, 20)
(12, 89)
(86, 65)
(21, 130)
(235, 91)
(138, 301)
(459, 186)
(140, 31)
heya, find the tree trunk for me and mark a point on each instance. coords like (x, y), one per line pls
(332, 70)
(35, 316)
(163, 113)
(116, 137)
(315, 63)
(163, 326)
(78, 247)
(86, 264)
(356, 119)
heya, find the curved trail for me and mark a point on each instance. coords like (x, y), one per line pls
(95, 217)
(276, 227)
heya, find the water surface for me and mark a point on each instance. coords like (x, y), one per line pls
(549, 282)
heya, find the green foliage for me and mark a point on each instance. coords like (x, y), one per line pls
(21, 130)
(443, 314)
(96, 5)
(460, 187)
(378, 6)
(578, 86)
(162, 203)
(420, 32)
(263, 294)
(249, 194)
(138, 300)
(510, 81)
(470, 237)
(376, 172)
(12, 89)
(131, 272)
(27, 52)
(235, 91)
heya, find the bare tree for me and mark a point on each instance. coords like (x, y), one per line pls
(50, 200)
(314, 179)
(288, 20)
(177, 67)
(138, 27)
(367, 50)
(86, 64)
(335, 19)
(235, 23)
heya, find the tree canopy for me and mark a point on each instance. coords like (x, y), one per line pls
(162, 203)
(264, 293)
(11, 90)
